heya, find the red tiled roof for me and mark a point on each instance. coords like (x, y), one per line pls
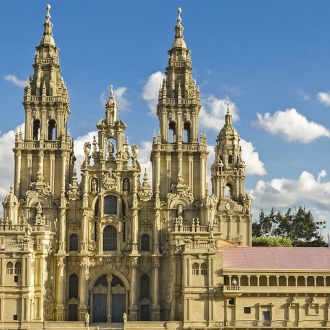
(276, 258)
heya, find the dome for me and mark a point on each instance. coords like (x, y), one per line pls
(47, 40)
(179, 42)
(10, 199)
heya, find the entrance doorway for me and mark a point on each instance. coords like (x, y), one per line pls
(99, 307)
(118, 307)
(108, 299)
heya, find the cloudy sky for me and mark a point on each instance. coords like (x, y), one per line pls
(269, 59)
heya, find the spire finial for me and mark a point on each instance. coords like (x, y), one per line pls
(179, 42)
(48, 14)
(179, 17)
(228, 116)
(111, 91)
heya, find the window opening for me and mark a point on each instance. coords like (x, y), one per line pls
(110, 205)
(145, 242)
(247, 310)
(110, 238)
(203, 269)
(9, 268)
(172, 132)
(186, 128)
(73, 242)
(145, 287)
(228, 191)
(195, 269)
(36, 129)
(73, 286)
(51, 130)
(18, 268)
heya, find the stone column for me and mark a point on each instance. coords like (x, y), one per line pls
(135, 227)
(156, 307)
(156, 226)
(109, 303)
(83, 288)
(60, 280)
(133, 309)
(52, 172)
(17, 183)
(84, 230)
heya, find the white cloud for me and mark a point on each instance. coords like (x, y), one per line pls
(119, 94)
(13, 79)
(254, 166)
(150, 90)
(79, 149)
(144, 159)
(213, 111)
(285, 193)
(324, 97)
(292, 126)
(7, 142)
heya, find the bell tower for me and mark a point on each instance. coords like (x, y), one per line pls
(46, 151)
(228, 177)
(178, 155)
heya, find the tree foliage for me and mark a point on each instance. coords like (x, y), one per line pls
(271, 241)
(298, 227)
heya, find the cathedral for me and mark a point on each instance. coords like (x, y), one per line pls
(116, 252)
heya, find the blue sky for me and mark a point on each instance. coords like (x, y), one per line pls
(269, 59)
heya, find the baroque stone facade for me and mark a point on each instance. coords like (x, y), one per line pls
(115, 249)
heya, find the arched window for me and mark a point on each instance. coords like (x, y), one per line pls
(230, 159)
(110, 238)
(145, 287)
(172, 132)
(203, 269)
(18, 268)
(110, 204)
(9, 268)
(73, 242)
(126, 185)
(186, 128)
(228, 191)
(73, 286)
(51, 130)
(36, 129)
(195, 269)
(101, 281)
(145, 242)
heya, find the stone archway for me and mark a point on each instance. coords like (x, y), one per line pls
(109, 299)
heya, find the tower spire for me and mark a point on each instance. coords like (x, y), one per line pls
(48, 30)
(178, 41)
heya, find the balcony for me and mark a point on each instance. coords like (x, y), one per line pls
(232, 291)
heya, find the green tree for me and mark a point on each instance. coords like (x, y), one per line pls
(298, 227)
(271, 241)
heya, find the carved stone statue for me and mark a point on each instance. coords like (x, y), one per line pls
(39, 208)
(86, 318)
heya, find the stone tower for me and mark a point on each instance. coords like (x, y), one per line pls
(227, 177)
(178, 154)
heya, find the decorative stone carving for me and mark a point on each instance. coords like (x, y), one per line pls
(145, 190)
(109, 179)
